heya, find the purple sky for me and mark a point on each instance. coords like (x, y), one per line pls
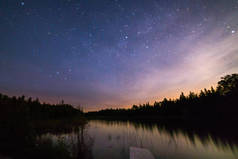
(115, 53)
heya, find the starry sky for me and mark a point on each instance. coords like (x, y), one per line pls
(115, 53)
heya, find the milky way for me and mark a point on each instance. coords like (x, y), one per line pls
(115, 53)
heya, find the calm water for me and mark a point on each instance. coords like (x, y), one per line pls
(112, 139)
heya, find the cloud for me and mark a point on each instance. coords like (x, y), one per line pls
(203, 63)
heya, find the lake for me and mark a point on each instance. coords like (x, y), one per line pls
(112, 139)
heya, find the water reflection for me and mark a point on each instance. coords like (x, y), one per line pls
(112, 139)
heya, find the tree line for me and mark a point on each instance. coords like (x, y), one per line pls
(14, 107)
(214, 103)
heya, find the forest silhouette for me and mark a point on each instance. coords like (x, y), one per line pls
(215, 103)
(218, 103)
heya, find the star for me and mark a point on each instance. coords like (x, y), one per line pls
(116, 40)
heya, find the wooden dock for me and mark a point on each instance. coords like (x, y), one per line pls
(140, 153)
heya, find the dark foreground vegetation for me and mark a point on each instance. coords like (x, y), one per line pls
(23, 120)
(215, 104)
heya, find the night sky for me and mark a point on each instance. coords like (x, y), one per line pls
(115, 53)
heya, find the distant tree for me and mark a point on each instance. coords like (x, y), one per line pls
(182, 97)
(30, 100)
(213, 90)
(228, 84)
(37, 101)
(134, 107)
(202, 94)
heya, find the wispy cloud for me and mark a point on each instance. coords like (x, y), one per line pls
(205, 62)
